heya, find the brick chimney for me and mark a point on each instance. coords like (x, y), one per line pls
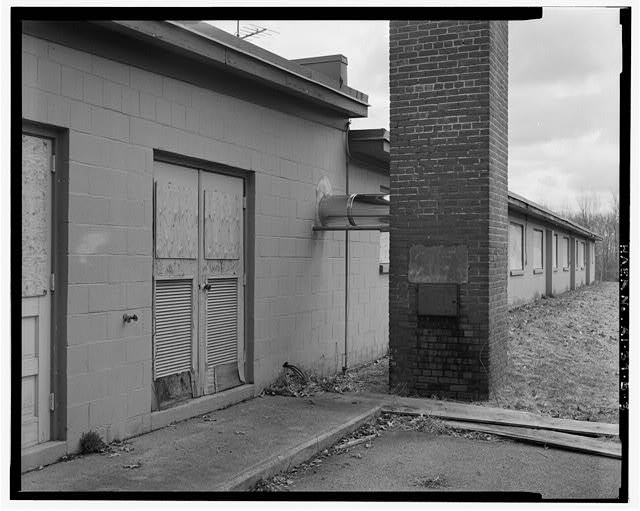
(449, 225)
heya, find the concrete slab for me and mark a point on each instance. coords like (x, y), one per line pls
(230, 450)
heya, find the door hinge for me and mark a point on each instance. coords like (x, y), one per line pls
(52, 282)
(52, 402)
(244, 203)
(53, 163)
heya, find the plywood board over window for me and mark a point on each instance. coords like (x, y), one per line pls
(515, 247)
(222, 229)
(554, 251)
(36, 159)
(538, 249)
(176, 221)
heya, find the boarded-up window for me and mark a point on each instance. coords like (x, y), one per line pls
(515, 247)
(554, 250)
(565, 252)
(538, 247)
(384, 248)
(581, 254)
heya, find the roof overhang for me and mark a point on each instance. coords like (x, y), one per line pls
(519, 204)
(371, 147)
(225, 51)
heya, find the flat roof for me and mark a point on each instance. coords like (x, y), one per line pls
(220, 48)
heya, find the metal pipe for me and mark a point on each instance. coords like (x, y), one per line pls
(346, 258)
(354, 209)
(377, 227)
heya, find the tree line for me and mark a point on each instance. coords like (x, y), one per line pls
(604, 222)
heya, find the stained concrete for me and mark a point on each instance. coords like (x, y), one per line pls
(229, 449)
(413, 461)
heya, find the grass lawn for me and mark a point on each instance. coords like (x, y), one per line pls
(563, 356)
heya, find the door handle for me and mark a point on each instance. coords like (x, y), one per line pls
(206, 287)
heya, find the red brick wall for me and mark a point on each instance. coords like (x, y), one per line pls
(448, 83)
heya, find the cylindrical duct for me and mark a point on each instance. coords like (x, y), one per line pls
(357, 209)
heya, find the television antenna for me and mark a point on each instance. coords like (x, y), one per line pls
(251, 30)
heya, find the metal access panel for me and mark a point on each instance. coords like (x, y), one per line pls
(438, 300)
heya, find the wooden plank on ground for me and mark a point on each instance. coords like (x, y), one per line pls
(492, 415)
(551, 438)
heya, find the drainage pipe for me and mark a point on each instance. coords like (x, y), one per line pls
(346, 257)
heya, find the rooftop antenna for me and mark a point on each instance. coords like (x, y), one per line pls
(251, 30)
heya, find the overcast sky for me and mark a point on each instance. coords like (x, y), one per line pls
(563, 92)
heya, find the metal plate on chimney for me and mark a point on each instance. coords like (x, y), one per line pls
(438, 300)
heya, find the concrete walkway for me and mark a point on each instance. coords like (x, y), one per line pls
(228, 449)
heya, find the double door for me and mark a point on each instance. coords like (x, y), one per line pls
(198, 273)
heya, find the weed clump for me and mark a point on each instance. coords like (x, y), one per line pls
(91, 442)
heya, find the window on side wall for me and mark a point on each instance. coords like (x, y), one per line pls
(567, 255)
(538, 251)
(516, 259)
(384, 243)
(554, 251)
(581, 255)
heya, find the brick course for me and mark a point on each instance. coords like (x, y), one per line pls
(448, 177)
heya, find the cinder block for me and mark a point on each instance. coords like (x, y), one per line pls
(84, 388)
(88, 269)
(112, 95)
(139, 401)
(77, 360)
(139, 294)
(58, 110)
(147, 106)
(176, 91)
(34, 104)
(88, 210)
(35, 46)
(29, 69)
(86, 328)
(178, 116)
(107, 297)
(130, 101)
(134, 376)
(77, 423)
(106, 355)
(138, 425)
(70, 57)
(49, 76)
(80, 116)
(192, 120)
(144, 132)
(109, 124)
(111, 70)
(72, 83)
(92, 90)
(106, 411)
(138, 349)
(163, 111)
(145, 81)
(77, 299)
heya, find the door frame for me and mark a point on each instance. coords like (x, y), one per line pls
(59, 267)
(248, 178)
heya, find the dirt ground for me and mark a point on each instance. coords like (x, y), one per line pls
(562, 360)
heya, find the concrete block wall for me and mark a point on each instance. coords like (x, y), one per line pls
(369, 305)
(448, 84)
(527, 286)
(116, 115)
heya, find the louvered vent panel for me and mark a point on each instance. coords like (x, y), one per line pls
(173, 309)
(222, 321)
